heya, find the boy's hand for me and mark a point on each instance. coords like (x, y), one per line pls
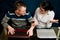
(11, 30)
(30, 32)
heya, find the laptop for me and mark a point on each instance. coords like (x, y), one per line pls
(20, 33)
(46, 33)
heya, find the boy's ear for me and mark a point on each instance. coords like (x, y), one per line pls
(16, 11)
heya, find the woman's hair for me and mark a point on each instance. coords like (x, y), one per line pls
(46, 5)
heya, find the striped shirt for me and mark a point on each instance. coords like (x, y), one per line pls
(17, 21)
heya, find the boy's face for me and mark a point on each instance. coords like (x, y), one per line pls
(21, 11)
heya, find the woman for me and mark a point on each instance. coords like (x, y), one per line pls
(43, 16)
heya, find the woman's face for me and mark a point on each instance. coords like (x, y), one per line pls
(42, 10)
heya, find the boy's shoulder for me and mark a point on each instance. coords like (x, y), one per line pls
(11, 15)
(27, 15)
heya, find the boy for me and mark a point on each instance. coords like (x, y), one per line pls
(18, 18)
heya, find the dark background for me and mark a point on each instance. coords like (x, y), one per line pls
(7, 5)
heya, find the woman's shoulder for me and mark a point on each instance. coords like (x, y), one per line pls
(51, 12)
(37, 8)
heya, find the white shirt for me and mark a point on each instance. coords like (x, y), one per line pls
(43, 21)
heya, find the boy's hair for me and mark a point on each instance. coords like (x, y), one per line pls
(46, 5)
(18, 4)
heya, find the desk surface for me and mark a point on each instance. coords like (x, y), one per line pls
(46, 33)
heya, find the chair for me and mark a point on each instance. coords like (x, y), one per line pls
(58, 35)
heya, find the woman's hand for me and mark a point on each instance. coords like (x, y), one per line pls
(54, 21)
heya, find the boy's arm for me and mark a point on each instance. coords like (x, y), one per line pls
(30, 31)
(4, 21)
(6, 25)
(33, 22)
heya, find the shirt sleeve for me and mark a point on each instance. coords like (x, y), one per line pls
(30, 18)
(35, 15)
(35, 18)
(52, 14)
(4, 21)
